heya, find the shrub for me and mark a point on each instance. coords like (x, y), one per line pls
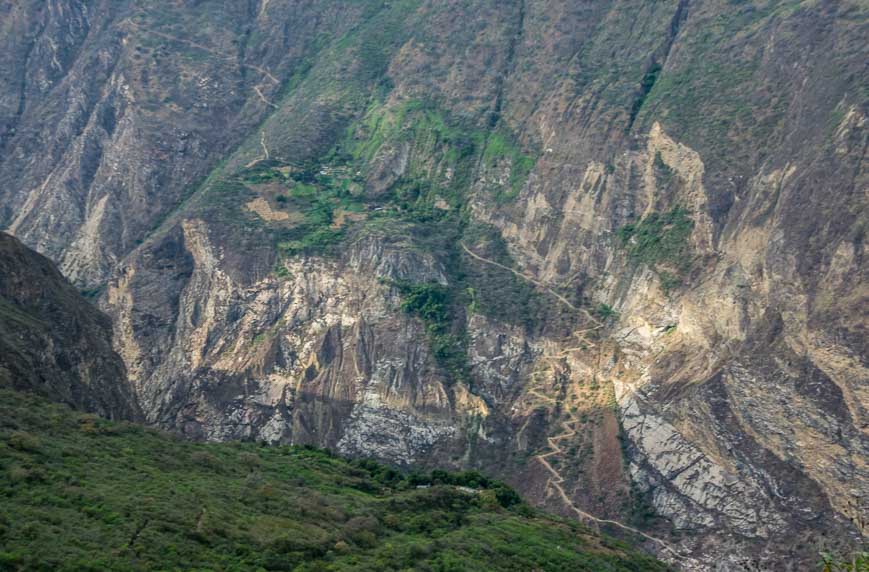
(23, 441)
(858, 562)
(428, 301)
(432, 302)
(19, 474)
(489, 500)
(506, 496)
(250, 460)
(659, 237)
(669, 282)
(205, 459)
(12, 560)
(342, 547)
(362, 530)
(288, 544)
(93, 508)
(605, 312)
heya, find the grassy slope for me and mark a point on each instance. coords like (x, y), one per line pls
(82, 493)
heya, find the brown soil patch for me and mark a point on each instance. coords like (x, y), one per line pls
(264, 210)
(342, 216)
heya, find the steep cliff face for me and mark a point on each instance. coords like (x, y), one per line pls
(609, 251)
(114, 111)
(53, 342)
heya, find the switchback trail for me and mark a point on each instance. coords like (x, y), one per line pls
(569, 425)
(556, 479)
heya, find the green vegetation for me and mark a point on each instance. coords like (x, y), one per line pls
(659, 237)
(262, 173)
(434, 304)
(411, 121)
(92, 293)
(474, 287)
(282, 272)
(428, 301)
(426, 205)
(605, 312)
(641, 509)
(661, 240)
(314, 192)
(858, 562)
(440, 144)
(646, 85)
(82, 493)
(500, 149)
(443, 154)
(662, 170)
(498, 293)
(669, 281)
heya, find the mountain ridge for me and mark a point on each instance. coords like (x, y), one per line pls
(54, 343)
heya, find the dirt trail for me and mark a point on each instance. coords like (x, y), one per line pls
(556, 479)
(569, 425)
(536, 393)
(534, 281)
(561, 298)
(262, 142)
(205, 48)
(265, 156)
(218, 54)
(259, 94)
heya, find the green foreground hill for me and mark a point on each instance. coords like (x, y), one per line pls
(82, 493)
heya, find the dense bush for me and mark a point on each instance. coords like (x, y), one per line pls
(124, 498)
(661, 240)
(435, 305)
(858, 562)
(659, 237)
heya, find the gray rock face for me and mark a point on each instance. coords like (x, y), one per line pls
(650, 218)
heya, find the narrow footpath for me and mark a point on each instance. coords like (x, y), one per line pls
(569, 425)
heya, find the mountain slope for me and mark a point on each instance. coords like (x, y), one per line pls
(610, 251)
(81, 493)
(53, 342)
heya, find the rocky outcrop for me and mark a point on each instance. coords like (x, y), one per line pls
(53, 342)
